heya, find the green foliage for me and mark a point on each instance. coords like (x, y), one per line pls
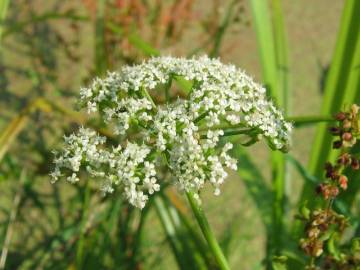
(272, 45)
(341, 86)
(4, 4)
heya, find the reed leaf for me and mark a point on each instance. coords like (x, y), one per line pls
(271, 39)
(13, 129)
(101, 64)
(135, 40)
(340, 87)
(4, 5)
(266, 46)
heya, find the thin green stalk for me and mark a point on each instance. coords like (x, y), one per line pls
(10, 133)
(4, 4)
(273, 55)
(101, 63)
(281, 52)
(266, 46)
(233, 132)
(222, 29)
(207, 232)
(279, 165)
(167, 89)
(201, 117)
(80, 249)
(135, 40)
(299, 121)
(12, 218)
(16, 27)
(169, 229)
(147, 95)
(198, 242)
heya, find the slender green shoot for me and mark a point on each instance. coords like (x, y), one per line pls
(206, 230)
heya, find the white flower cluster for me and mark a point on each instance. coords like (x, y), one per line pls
(182, 135)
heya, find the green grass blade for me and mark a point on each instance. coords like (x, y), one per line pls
(265, 41)
(279, 166)
(193, 252)
(194, 238)
(13, 129)
(353, 85)
(170, 231)
(222, 29)
(255, 184)
(135, 40)
(337, 81)
(16, 27)
(281, 51)
(311, 179)
(142, 45)
(101, 64)
(12, 218)
(81, 248)
(4, 5)
(272, 45)
(207, 231)
(261, 194)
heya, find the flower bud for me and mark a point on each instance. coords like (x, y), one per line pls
(334, 130)
(344, 159)
(343, 181)
(319, 189)
(347, 136)
(355, 164)
(354, 109)
(341, 116)
(337, 144)
(347, 124)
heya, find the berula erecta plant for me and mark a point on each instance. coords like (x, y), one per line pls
(159, 131)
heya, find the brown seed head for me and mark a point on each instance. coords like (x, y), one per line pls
(334, 130)
(347, 136)
(355, 164)
(337, 144)
(344, 159)
(347, 124)
(343, 182)
(341, 116)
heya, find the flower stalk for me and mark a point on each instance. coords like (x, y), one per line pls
(206, 230)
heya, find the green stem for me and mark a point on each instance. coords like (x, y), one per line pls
(219, 35)
(4, 5)
(296, 120)
(167, 89)
(147, 95)
(222, 126)
(207, 232)
(305, 120)
(233, 132)
(201, 116)
(80, 249)
(169, 229)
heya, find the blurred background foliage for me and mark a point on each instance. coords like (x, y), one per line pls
(307, 53)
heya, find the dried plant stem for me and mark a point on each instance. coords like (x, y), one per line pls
(207, 232)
